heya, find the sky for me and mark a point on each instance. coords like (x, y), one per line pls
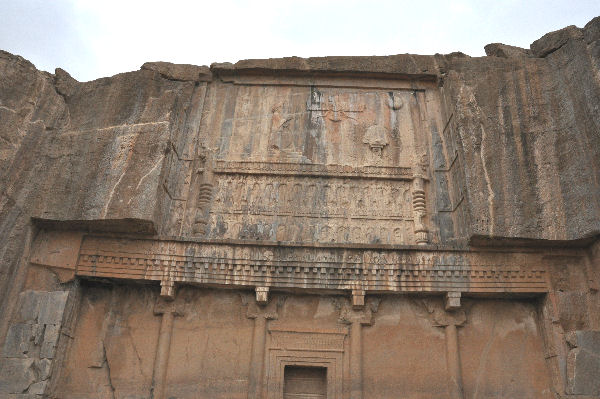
(97, 38)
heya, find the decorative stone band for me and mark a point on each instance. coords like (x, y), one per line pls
(310, 169)
(310, 268)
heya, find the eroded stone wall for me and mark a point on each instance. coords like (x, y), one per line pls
(403, 348)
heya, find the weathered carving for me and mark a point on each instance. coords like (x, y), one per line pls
(315, 177)
(309, 210)
(331, 268)
(376, 138)
(420, 210)
(334, 108)
(396, 101)
(205, 192)
(364, 316)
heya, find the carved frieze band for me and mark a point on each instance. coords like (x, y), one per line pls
(310, 169)
(312, 268)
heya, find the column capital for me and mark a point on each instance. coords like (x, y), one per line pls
(256, 309)
(441, 317)
(349, 313)
(162, 306)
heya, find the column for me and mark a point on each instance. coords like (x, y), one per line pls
(168, 310)
(450, 320)
(357, 316)
(356, 391)
(261, 310)
(453, 363)
(257, 358)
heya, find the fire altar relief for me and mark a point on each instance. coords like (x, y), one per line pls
(308, 164)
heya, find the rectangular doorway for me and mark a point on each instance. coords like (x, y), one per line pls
(301, 382)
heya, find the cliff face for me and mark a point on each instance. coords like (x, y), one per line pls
(441, 153)
(87, 152)
(521, 141)
(528, 127)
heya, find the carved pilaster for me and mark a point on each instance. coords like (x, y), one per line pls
(205, 192)
(349, 314)
(167, 310)
(419, 211)
(261, 312)
(450, 321)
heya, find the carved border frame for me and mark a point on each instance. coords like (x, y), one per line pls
(329, 358)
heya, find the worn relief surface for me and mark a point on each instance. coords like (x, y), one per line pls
(312, 164)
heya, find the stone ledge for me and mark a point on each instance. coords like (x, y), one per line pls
(411, 66)
(183, 72)
(552, 41)
(506, 51)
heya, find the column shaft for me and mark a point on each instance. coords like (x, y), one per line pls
(453, 363)
(356, 361)
(255, 384)
(162, 356)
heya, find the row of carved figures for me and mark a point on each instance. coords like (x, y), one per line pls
(306, 197)
(301, 195)
(393, 232)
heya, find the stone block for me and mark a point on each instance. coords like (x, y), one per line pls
(572, 307)
(589, 341)
(506, 51)
(38, 388)
(583, 362)
(57, 250)
(29, 306)
(19, 341)
(452, 300)
(552, 41)
(183, 72)
(51, 335)
(44, 367)
(52, 307)
(583, 371)
(16, 375)
(262, 295)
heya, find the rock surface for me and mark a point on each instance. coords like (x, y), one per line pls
(446, 175)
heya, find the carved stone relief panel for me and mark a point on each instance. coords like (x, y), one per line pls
(317, 164)
(320, 125)
(311, 209)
